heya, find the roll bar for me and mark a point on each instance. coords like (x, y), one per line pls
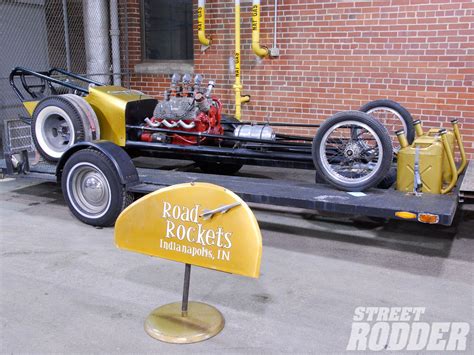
(46, 79)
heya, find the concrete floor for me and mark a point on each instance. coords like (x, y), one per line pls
(65, 288)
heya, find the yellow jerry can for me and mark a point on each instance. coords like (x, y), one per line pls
(422, 163)
(452, 137)
(433, 132)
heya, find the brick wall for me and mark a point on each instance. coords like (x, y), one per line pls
(337, 55)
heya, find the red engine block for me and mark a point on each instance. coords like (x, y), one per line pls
(205, 122)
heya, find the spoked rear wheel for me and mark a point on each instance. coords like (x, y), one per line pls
(393, 116)
(353, 151)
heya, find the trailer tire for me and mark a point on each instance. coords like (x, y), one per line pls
(397, 111)
(336, 157)
(57, 124)
(92, 188)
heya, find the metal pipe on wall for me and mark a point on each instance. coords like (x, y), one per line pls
(66, 36)
(115, 36)
(96, 39)
(239, 99)
(275, 24)
(259, 50)
(202, 24)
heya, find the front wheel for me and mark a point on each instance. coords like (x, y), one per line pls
(352, 151)
(92, 188)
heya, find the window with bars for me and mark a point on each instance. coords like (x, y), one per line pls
(167, 30)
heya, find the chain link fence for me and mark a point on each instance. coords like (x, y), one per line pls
(74, 35)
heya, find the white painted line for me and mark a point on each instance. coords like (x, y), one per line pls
(7, 179)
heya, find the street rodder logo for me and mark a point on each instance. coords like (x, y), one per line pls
(403, 328)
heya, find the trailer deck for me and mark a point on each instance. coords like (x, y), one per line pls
(374, 202)
(466, 190)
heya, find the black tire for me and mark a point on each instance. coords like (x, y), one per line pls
(106, 198)
(344, 120)
(386, 183)
(389, 179)
(319, 178)
(90, 120)
(405, 118)
(219, 168)
(57, 124)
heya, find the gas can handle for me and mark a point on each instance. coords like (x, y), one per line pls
(452, 165)
(457, 134)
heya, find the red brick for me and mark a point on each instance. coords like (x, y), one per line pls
(338, 55)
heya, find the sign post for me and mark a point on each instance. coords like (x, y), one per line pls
(197, 224)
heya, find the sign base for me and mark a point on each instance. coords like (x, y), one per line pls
(168, 323)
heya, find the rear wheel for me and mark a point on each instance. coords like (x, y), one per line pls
(393, 116)
(352, 151)
(57, 124)
(92, 189)
(89, 116)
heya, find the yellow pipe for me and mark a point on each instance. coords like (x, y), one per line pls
(457, 134)
(259, 50)
(418, 129)
(452, 165)
(402, 138)
(239, 99)
(202, 24)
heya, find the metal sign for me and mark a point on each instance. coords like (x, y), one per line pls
(196, 223)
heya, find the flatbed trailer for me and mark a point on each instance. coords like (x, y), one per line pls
(381, 203)
(100, 179)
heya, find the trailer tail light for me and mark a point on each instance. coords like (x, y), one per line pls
(405, 215)
(428, 218)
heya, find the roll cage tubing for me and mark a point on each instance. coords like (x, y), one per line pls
(46, 78)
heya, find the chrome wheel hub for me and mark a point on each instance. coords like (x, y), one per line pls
(89, 190)
(352, 151)
(93, 189)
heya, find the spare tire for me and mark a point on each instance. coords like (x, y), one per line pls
(57, 124)
(393, 116)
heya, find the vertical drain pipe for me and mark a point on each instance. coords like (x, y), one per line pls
(96, 39)
(259, 50)
(275, 25)
(239, 99)
(206, 42)
(66, 36)
(115, 37)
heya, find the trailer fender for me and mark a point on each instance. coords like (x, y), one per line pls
(121, 160)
